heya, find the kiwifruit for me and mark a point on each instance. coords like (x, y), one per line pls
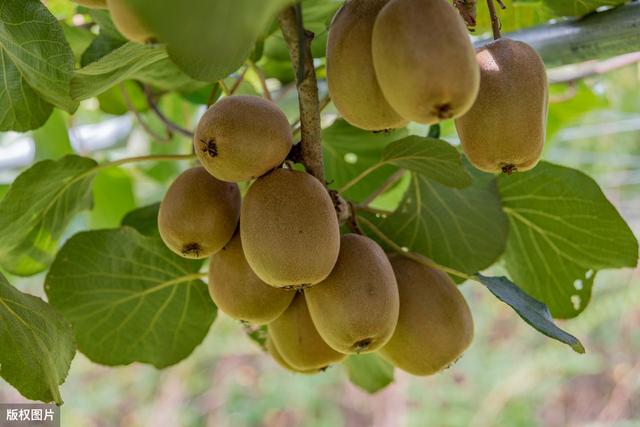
(289, 229)
(505, 129)
(127, 20)
(424, 60)
(297, 339)
(92, 4)
(237, 291)
(355, 309)
(198, 214)
(275, 355)
(435, 325)
(240, 138)
(352, 81)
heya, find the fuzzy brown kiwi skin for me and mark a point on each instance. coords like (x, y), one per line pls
(504, 131)
(420, 79)
(289, 229)
(238, 292)
(240, 138)
(351, 78)
(356, 308)
(298, 341)
(277, 357)
(435, 325)
(198, 214)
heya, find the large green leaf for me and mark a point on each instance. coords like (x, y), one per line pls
(52, 139)
(562, 231)
(369, 371)
(37, 345)
(37, 64)
(349, 151)
(464, 229)
(38, 207)
(129, 298)
(144, 219)
(208, 39)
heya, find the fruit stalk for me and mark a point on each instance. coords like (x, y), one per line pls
(495, 22)
(299, 43)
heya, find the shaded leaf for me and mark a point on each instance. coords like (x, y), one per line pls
(144, 219)
(129, 298)
(37, 345)
(369, 371)
(562, 231)
(534, 312)
(112, 197)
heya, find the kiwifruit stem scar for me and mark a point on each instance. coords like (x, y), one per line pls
(509, 169)
(443, 111)
(210, 147)
(191, 249)
(362, 345)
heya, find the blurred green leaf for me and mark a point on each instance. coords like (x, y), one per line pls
(112, 197)
(144, 220)
(37, 65)
(37, 209)
(208, 40)
(112, 101)
(129, 298)
(52, 139)
(78, 38)
(37, 343)
(369, 371)
(562, 231)
(464, 229)
(577, 7)
(100, 47)
(534, 312)
(349, 151)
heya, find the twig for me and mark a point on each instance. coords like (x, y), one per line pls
(495, 21)
(153, 134)
(467, 9)
(238, 82)
(164, 119)
(263, 83)
(395, 177)
(299, 43)
(592, 68)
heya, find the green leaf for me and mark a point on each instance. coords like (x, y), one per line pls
(52, 139)
(113, 101)
(577, 7)
(349, 151)
(144, 219)
(123, 63)
(129, 298)
(369, 371)
(464, 229)
(562, 231)
(534, 312)
(433, 158)
(208, 39)
(112, 197)
(38, 207)
(37, 345)
(37, 64)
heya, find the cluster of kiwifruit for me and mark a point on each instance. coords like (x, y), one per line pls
(277, 256)
(394, 61)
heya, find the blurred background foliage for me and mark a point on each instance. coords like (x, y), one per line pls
(511, 376)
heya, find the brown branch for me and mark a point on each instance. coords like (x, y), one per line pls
(578, 72)
(495, 21)
(145, 126)
(299, 43)
(467, 9)
(164, 119)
